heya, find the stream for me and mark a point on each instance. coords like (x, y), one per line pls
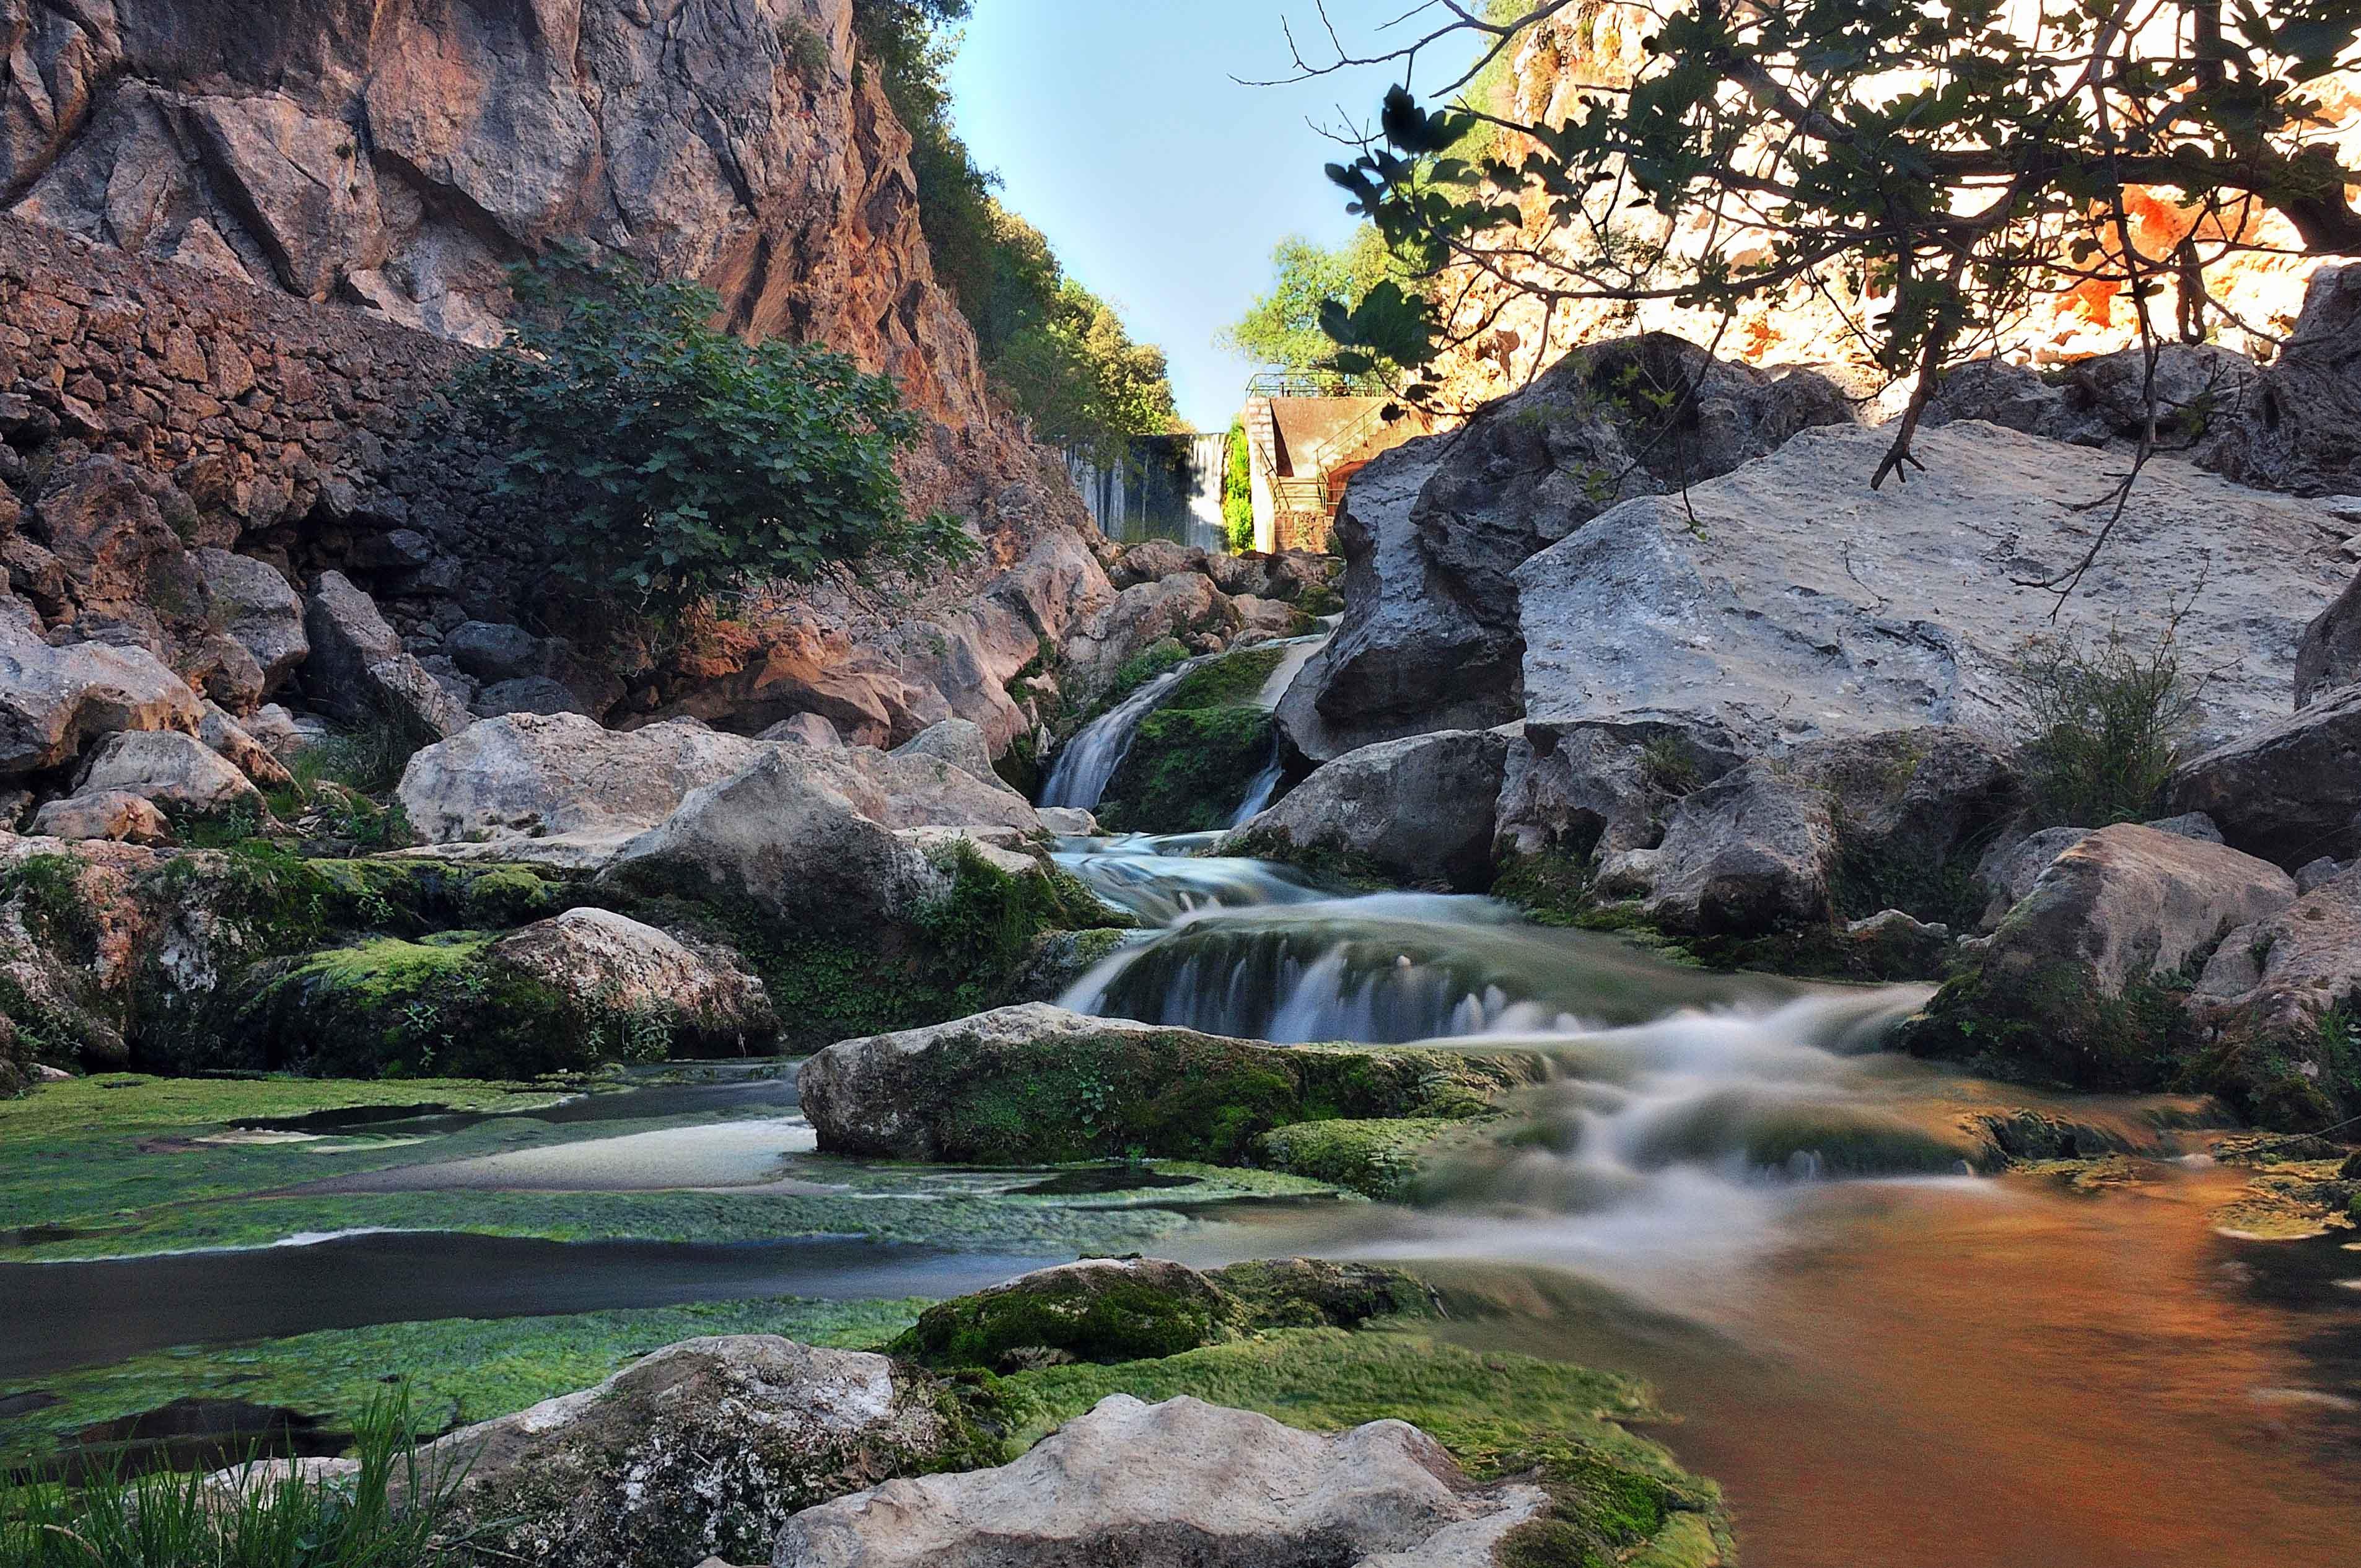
(1727, 1189)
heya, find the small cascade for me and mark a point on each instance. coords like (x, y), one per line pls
(1263, 788)
(1084, 764)
(1389, 968)
(1160, 879)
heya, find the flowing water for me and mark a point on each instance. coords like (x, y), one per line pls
(1086, 761)
(1728, 1189)
(1163, 487)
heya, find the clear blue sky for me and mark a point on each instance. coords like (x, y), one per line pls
(1162, 182)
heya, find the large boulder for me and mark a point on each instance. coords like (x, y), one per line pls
(2270, 999)
(785, 837)
(115, 815)
(1142, 615)
(2300, 429)
(707, 1447)
(1789, 601)
(643, 979)
(256, 606)
(180, 774)
(124, 572)
(1179, 1485)
(1753, 851)
(2329, 658)
(1037, 1085)
(2082, 982)
(54, 700)
(2288, 790)
(549, 782)
(586, 988)
(1432, 531)
(493, 651)
(1419, 810)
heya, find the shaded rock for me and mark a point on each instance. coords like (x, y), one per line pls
(2290, 791)
(2200, 390)
(221, 667)
(2301, 428)
(2266, 998)
(1432, 531)
(2329, 658)
(54, 700)
(1005, 1087)
(2014, 397)
(645, 978)
(1153, 558)
(252, 603)
(2312, 875)
(2189, 824)
(114, 814)
(708, 1446)
(1419, 809)
(177, 773)
(1753, 852)
(495, 651)
(1787, 601)
(2079, 984)
(1159, 1486)
(806, 729)
(2012, 866)
(526, 694)
(421, 709)
(348, 638)
(284, 733)
(785, 837)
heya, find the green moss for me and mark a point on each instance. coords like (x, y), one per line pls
(1613, 1494)
(1320, 600)
(1234, 680)
(392, 1008)
(48, 889)
(1377, 1158)
(1186, 770)
(1137, 671)
(457, 1370)
(1552, 886)
(1172, 1094)
(2050, 1021)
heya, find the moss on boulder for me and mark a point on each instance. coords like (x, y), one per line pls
(1191, 760)
(1037, 1085)
(1377, 1158)
(1116, 1309)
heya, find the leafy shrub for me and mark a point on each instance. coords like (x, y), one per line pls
(667, 461)
(2111, 723)
(295, 1521)
(805, 53)
(1238, 492)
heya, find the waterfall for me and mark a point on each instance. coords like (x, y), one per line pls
(1163, 487)
(1085, 764)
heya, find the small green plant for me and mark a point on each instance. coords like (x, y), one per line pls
(2110, 720)
(665, 462)
(805, 53)
(390, 1513)
(1238, 492)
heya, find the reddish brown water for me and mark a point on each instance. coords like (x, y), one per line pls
(1955, 1375)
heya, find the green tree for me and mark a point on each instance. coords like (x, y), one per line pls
(664, 461)
(1237, 491)
(1281, 329)
(1947, 164)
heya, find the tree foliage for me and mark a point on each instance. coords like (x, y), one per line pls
(1281, 328)
(1941, 165)
(664, 461)
(1057, 351)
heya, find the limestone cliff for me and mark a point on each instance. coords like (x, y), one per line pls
(393, 155)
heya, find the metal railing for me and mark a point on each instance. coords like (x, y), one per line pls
(1308, 384)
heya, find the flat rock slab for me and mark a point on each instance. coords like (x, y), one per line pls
(1789, 600)
(1179, 1485)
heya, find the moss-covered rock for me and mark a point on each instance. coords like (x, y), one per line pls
(1034, 1084)
(16, 1060)
(1116, 1309)
(1377, 1158)
(585, 988)
(1191, 760)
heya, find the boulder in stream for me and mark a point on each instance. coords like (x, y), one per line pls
(2084, 984)
(1037, 1085)
(1419, 810)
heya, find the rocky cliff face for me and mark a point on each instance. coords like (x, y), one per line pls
(393, 155)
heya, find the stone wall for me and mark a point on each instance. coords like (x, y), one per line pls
(294, 430)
